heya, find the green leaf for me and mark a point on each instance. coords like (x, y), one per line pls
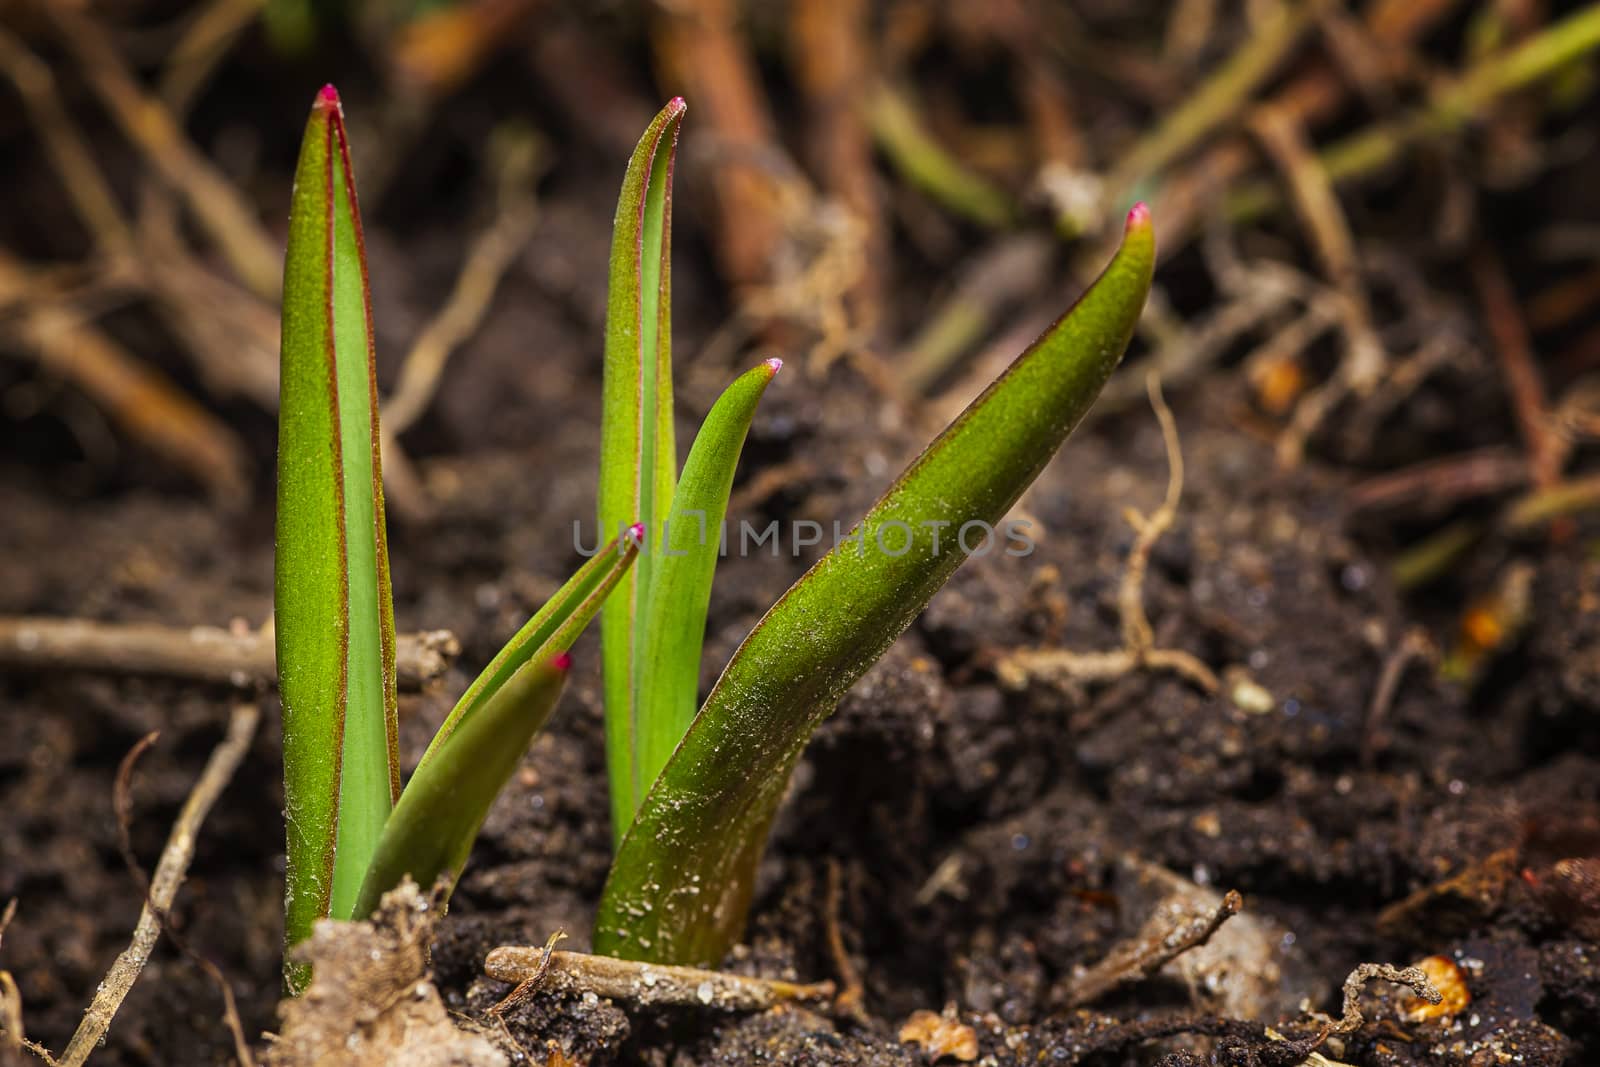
(438, 817)
(681, 883)
(334, 615)
(675, 619)
(638, 457)
(551, 630)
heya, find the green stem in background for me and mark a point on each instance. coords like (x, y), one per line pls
(682, 881)
(1219, 100)
(444, 805)
(1451, 108)
(675, 621)
(926, 164)
(334, 615)
(638, 456)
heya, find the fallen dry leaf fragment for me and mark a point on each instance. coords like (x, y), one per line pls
(940, 1035)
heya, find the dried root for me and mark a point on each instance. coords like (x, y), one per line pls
(1138, 652)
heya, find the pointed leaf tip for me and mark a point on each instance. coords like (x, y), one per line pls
(775, 364)
(328, 96)
(677, 106)
(636, 533)
(562, 661)
(1138, 215)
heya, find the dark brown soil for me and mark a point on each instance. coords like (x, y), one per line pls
(983, 839)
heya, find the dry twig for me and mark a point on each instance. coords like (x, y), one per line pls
(1415, 977)
(1138, 651)
(206, 40)
(647, 984)
(1413, 646)
(240, 658)
(148, 405)
(169, 874)
(64, 143)
(488, 258)
(850, 998)
(1546, 449)
(831, 66)
(145, 120)
(1362, 364)
(1138, 959)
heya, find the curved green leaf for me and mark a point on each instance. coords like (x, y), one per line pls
(438, 817)
(334, 616)
(681, 883)
(552, 629)
(675, 612)
(638, 457)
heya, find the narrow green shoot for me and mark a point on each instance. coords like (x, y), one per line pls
(334, 615)
(638, 458)
(477, 748)
(682, 880)
(552, 629)
(351, 833)
(444, 805)
(680, 592)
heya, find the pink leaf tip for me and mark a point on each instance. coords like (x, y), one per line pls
(328, 96)
(561, 661)
(1138, 215)
(677, 105)
(775, 364)
(636, 533)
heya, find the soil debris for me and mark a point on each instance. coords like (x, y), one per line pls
(371, 1002)
(940, 1035)
(646, 984)
(1446, 977)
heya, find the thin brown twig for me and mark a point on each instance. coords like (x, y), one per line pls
(147, 404)
(1362, 363)
(231, 334)
(240, 658)
(1413, 646)
(65, 144)
(1138, 959)
(169, 875)
(1415, 977)
(647, 984)
(1318, 206)
(1503, 316)
(1435, 485)
(851, 998)
(147, 122)
(490, 255)
(530, 984)
(244, 718)
(204, 43)
(831, 67)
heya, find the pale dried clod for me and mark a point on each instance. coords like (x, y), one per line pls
(940, 1036)
(370, 1002)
